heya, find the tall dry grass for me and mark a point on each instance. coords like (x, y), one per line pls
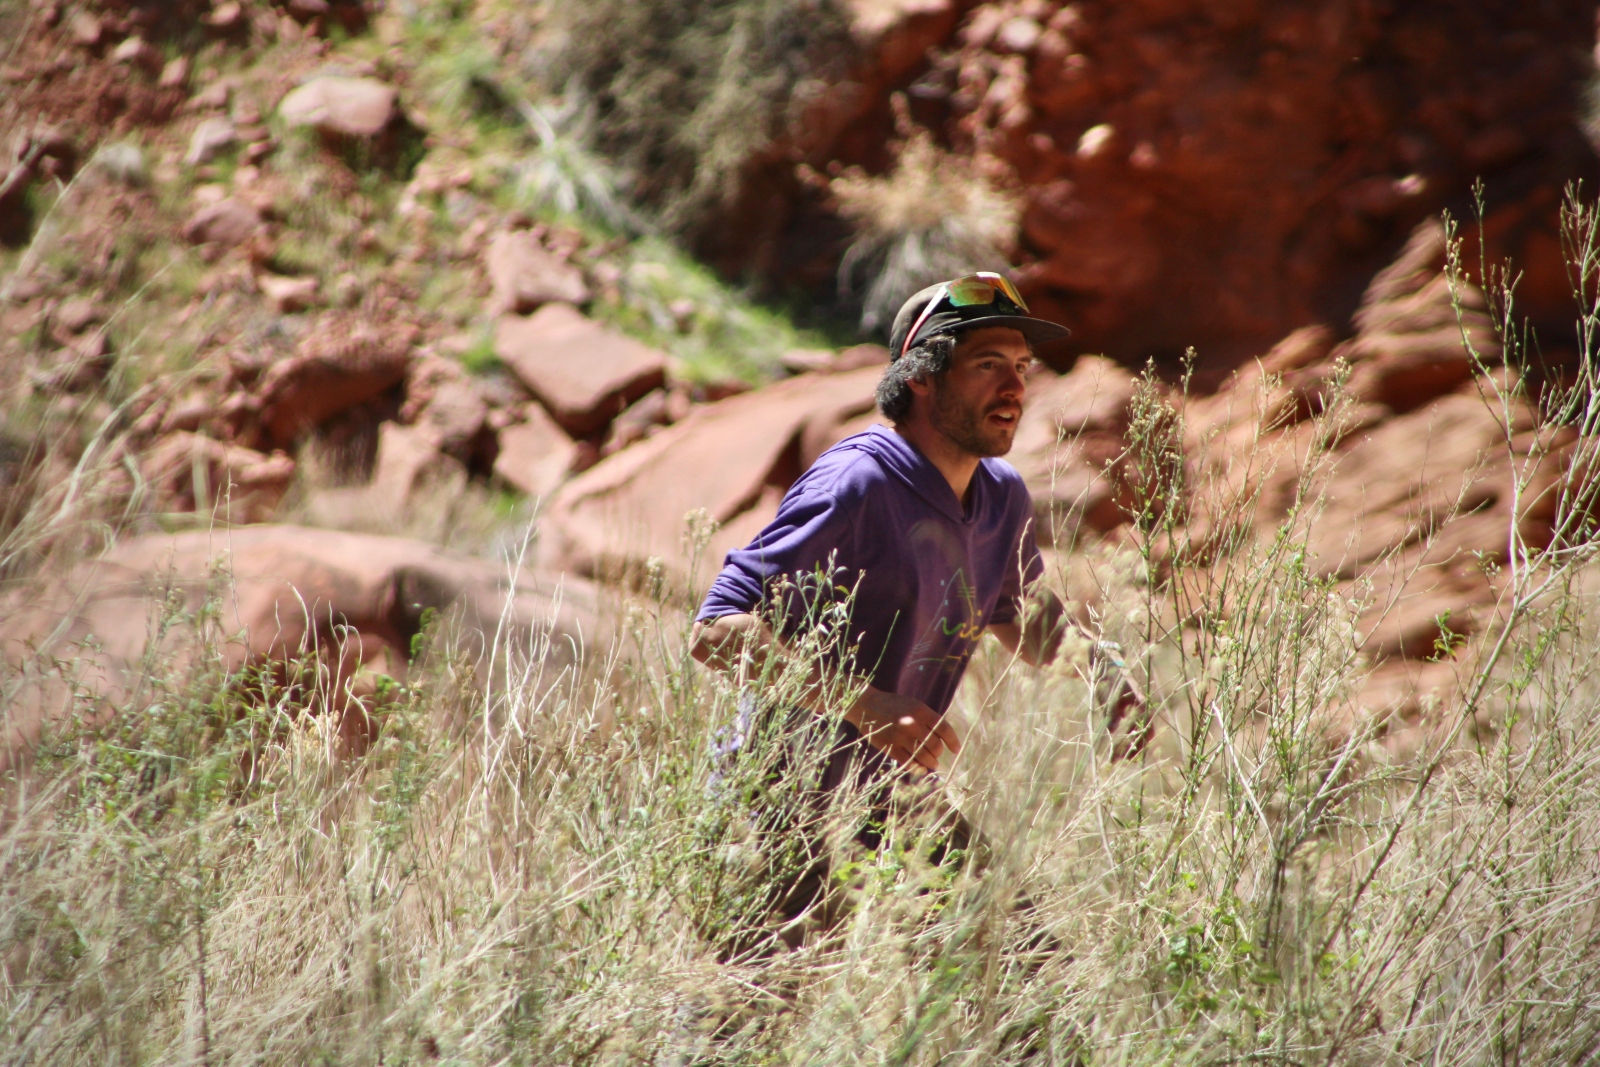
(539, 867)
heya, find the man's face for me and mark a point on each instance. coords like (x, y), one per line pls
(978, 402)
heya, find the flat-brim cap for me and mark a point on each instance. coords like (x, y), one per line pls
(976, 316)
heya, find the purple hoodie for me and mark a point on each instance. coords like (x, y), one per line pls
(928, 576)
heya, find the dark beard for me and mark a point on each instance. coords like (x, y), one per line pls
(964, 426)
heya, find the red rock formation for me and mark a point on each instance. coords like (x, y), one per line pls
(1209, 174)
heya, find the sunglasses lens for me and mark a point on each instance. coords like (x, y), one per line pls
(980, 289)
(966, 292)
(1011, 293)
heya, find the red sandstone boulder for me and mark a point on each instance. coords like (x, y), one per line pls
(411, 466)
(446, 405)
(639, 421)
(807, 361)
(423, 460)
(1410, 347)
(526, 276)
(731, 461)
(826, 361)
(826, 430)
(454, 416)
(191, 473)
(535, 455)
(1071, 431)
(583, 373)
(343, 362)
(412, 479)
(353, 602)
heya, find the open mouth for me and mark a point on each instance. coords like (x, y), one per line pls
(1006, 416)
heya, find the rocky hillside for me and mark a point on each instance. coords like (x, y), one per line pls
(265, 246)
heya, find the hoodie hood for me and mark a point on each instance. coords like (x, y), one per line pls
(901, 460)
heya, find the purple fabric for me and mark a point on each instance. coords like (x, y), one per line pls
(875, 515)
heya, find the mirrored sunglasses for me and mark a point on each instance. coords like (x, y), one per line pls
(972, 290)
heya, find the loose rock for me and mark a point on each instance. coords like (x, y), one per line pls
(525, 276)
(359, 108)
(582, 372)
(194, 473)
(77, 314)
(227, 223)
(226, 15)
(535, 455)
(636, 423)
(342, 363)
(210, 139)
(85, 30)
(288, 294)
(410, 468)
(175, 75)
(139, 52)
(455, 417)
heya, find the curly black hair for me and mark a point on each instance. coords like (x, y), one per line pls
(930, 359)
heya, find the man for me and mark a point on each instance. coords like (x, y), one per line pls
(924, 527)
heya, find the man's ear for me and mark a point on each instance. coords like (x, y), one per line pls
(922, 385)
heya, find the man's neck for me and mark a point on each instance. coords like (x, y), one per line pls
(954, 462)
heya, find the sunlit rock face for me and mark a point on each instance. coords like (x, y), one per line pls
(1204, 173)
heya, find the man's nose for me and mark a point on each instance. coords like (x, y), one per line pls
(1014, 385)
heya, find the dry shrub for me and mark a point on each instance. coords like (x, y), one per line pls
(687, 92)
(532, 866)
(935, 215)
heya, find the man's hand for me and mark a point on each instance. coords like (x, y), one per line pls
(1128, 705)
(1038, 642)
(903, 728)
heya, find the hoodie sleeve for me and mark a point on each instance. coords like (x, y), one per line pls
(811, 527)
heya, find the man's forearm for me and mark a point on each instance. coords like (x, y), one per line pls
(719, 643)
(908, 730)
(1037, 637)
(715, 642)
